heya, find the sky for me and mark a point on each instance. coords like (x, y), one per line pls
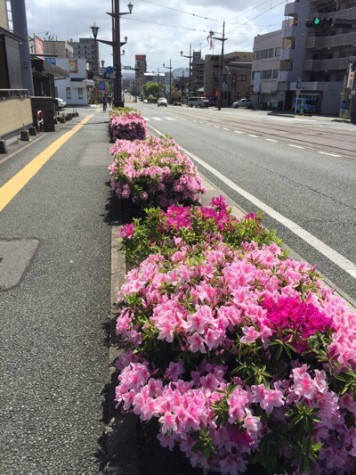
(160, 29)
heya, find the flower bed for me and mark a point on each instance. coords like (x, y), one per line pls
(242, 356)
(161, 230)
(153, 172)
(127, 124)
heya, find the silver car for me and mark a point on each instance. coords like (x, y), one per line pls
(162, 101)
(243, 103)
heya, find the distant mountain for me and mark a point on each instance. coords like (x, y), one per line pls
(178, 72)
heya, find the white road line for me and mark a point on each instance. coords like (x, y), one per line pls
(330, 154)
(338, 259)
(252, 135)
(217, 126)
(313, 241)
(238, 132)
(271, 140)
(157, 118)
(209, 125)
(169, 118)
(294, 146)
(225, 128)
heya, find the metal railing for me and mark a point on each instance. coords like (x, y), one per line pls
(13, 93)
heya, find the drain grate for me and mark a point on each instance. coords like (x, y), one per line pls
(16, 256)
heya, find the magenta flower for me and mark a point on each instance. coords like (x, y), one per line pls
(127, 231)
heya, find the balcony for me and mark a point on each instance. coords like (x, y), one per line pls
(319, 42)
(287, 54)
(326, 64)
(292, 9)
(283, 76)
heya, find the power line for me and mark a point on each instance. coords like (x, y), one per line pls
(254, 18)
(180, 11)
(168, 26)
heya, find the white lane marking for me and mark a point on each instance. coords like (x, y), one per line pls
(217, 126)
(294, 146)
(169, 118)
(330, 154)
(252, 135)
(225, 128)
(338, 259)
(146, 118)
(238, 132)
(271, 140)
(209, 125)
(157, 118)
(313, 241)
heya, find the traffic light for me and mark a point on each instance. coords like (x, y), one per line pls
(319, 22)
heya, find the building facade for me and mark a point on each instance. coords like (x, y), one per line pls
(197, 73)
(87, 48)
(74, 89)
(140, 70)
(235, 77)
(308, 59)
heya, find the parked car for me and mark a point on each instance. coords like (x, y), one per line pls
(243, 103)
(198, 102)
(60, 103)
(162, 101)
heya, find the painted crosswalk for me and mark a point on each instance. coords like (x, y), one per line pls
(158, 119)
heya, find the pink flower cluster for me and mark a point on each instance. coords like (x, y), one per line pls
(153, 172)
(127, 126)
(177, 217)
(194, 317)
(290, 313)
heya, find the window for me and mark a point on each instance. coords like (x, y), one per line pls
(80, 93)
(277, 51)
(68, 93)
(242, 77)
(275, 74)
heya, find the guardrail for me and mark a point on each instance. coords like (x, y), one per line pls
(13, 93)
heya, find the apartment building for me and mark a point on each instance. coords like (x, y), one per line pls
(87, 48)
(235, 78)
(306, 58)
(197, 73)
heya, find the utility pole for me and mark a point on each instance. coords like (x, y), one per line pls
(116, 44)
(222, 39)
(190, 56)
(170, 79)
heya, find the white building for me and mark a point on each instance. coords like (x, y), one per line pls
(75, 88)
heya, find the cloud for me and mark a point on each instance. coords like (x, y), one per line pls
(159, 28)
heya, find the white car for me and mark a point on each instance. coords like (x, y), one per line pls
(162, 101)
(243, 103)
(60, 103)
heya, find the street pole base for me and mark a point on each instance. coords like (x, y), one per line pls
(118, 103)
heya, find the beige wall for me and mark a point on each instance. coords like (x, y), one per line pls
(3, 15)
(14, 113)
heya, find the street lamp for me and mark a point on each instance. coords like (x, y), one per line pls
(223, 39)
(189, 57)
(116, 44)
(170, 79)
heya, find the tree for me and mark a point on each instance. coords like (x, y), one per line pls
(154, 89)
(176, 93)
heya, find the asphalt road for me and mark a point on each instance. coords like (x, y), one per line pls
(54, 355)
(55, 238)
(302, 168)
